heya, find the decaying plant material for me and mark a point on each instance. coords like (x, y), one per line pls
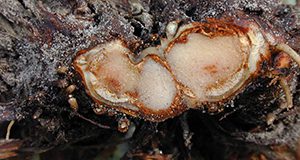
(48, 105)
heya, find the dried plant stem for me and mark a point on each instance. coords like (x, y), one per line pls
(91, 121)
(11, 123)
(287, 92)
(287, 49)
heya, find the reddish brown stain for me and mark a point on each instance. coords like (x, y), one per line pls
(182, 39)
(212, 69)
(282, 61)
(82, 52)
(133, 94)
(113, 84)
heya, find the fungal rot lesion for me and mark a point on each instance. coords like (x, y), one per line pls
(198, 63)
(147, 88)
